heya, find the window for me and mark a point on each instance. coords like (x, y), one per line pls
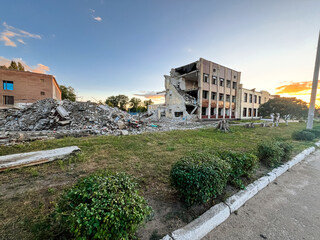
(205, 94)
(255, 98)
(259, 99)
(214, 70)
(204, 111)
(250, 98)
(220, 111)
(221, 82)
(233, 99)
(42, 80)
(228, 84)
(170, 110)
(214, 80)
(245, 97)
(220, 97)
(205, 78)
(244, 114)
(227, 112)
(249, 112)
(7, 85)
(234, 85)
(178, 114)
(227, 98)
(254, 112)
(213, 96)
(234, 76)
(8, 100)
(213, 111)
(42, 93)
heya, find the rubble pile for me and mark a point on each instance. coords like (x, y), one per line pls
(50, 114)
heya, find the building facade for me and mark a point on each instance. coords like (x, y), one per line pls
(250, 101)
(19, 88)
(202, 89)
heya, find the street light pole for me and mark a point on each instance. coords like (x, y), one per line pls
(314, 88)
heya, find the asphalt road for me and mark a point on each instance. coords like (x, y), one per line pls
(288, 208)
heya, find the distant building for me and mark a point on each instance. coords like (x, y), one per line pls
(249, 102)
(21, 88)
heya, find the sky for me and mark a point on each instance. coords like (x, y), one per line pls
(103, 48)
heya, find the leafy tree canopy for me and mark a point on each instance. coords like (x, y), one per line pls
(287, 107)
(68, 93)
(119, 101)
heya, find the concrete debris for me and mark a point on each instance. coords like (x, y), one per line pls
(34, 158)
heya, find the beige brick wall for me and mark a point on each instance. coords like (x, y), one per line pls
(27, 86)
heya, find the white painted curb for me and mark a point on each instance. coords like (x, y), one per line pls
(216, 215)
(200, 227)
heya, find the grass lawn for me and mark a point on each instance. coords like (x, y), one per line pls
(29, 193)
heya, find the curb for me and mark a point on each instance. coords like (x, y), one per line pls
(217, 214)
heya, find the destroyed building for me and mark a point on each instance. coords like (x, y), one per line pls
(203, 90)
(21, 88)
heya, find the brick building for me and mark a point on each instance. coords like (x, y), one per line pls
(19, 88)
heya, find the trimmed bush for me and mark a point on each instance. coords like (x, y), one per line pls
(303, 135)
(287, 150)
(104, 206)
(270, 153)
(242, 165)
(198, 177)
(316, 132)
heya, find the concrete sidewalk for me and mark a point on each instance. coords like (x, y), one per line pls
(288, 208)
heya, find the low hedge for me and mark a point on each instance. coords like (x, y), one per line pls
(272, 153)
(316, 132)
(242, 165)
(303, 135)
(104, 206)
(199, 177)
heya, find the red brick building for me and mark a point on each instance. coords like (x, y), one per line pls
(19, 88)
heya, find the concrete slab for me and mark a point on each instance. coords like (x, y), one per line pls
(34, 158)
(198, 228)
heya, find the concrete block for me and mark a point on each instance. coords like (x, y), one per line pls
(238, 199)
(166, 237)
(201, 226)
(262, 182)
(280, 170)
(271, 176)
(33, 158)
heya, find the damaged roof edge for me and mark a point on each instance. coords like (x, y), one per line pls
(187, 68)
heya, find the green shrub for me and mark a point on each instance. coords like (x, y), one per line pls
(287, 150)
(104, 206)
(270, 153)
(303, 136)
(242, 165)
(316, 132)
(198, 177)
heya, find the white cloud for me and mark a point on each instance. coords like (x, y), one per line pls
(11, 34)
(39, 68)
(99, 19)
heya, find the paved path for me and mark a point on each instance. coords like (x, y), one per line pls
(289, 208)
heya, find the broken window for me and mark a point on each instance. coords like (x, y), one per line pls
(259, 99)
(244, 114)
(214, 80)
(214, 70)
(233, 99)
(42, 93)
(227, 112)
(250, 98)
(205, 94)
(178, 114)
(255, 98)
(7, 85)
(245, 97)
(234, 85)
(221, 82)
(205, 78)
(204, 111)
(213, 111)
(213, 96)
(228, 84)
(220, 97)
(228, 98)
(220, 111)
(234, 76)
(8, 100)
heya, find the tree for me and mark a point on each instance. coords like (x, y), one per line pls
(13, 65)
(20, 66)
(287, 107)
(68, 93)
(147, 103)
(134, 103)
(119, 101)
(3, 67)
